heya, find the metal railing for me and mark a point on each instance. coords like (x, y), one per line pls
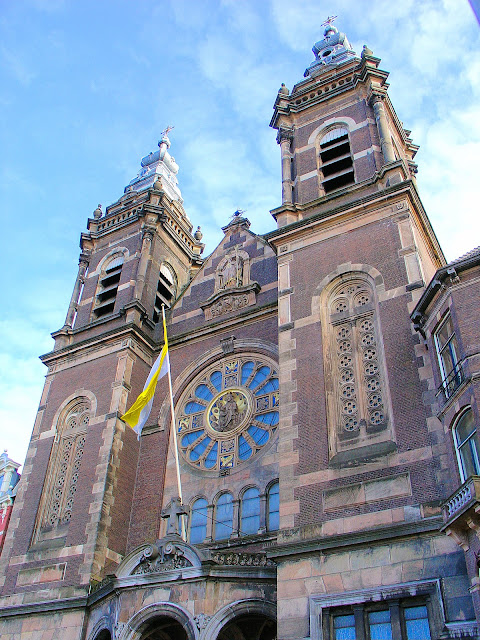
(452, 381)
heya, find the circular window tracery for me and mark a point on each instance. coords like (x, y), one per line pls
(229, 412)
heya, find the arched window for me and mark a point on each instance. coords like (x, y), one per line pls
(358, 401)
(223, 517)
(250, 512)
(336, 162)
(273, 508)
(166, 290)
(108, 287)
(465, 433)
(198, 521)
(63, 471)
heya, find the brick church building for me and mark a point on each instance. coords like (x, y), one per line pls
(325, 380)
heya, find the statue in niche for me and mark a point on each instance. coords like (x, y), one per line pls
(231, 275)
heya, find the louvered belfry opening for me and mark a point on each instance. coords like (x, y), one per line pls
(165, 292)
(336, 160)
(108, 287)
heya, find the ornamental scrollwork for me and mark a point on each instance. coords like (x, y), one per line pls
(163, 557)
(242, 559)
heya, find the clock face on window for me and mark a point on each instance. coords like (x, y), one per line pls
(229, 412)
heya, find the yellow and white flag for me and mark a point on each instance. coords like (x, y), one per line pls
(138, 413)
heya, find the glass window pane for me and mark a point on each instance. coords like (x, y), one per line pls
(273, 520)
(444, 332)
(250, 522)
(224, 517)
(344, 627)
(198, 526)
(469, 456)
(416, 623)
(465, 427)
(380, 626)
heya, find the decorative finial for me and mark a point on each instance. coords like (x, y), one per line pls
(198, 235)
(283, 90)
(366, 51)
(98, 212)
(238, 213)
(158, 184)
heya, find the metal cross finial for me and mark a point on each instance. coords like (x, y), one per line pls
(238, 213)
(166, 131)
(329, 20)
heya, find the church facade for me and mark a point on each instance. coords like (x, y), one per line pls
(319, 477)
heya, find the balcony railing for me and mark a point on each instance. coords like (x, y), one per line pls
(460, 502)
(454, 379)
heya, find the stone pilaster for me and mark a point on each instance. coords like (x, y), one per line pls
(383, 129)
(147, 238)
(284, 139)
(72, 307)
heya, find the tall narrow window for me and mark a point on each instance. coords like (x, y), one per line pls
(250, 513)
(358, 404)
(447, 352)
(465, 435)
(336, 162)
(108, 287)
(273, 508)
(198, 523)
(224, 517)
(166, 289)
(63, 471)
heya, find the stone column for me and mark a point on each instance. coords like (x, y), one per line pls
(383, 130)
(72, 307)
(263, 513)
(284, 139)
(210, 514)
(144, 257)
(235, 520)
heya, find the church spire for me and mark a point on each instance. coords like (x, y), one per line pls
(158, 168)
(332, 50)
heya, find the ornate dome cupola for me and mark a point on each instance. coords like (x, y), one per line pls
(158, 167)
(332, 50)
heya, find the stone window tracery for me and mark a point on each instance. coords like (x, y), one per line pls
(358, 401)
(64, 467)
(229, 412)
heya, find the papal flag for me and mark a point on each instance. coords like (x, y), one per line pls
(138, 413)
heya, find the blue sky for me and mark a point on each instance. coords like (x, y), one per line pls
(87, 86)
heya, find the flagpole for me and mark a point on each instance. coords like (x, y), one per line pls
(175, 446)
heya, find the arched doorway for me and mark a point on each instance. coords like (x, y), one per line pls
(249, 626)
(164, 628)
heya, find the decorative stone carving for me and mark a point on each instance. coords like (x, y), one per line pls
(233, 288)
(242, 559)
(228, 304)
(162, 557)
(201, 621)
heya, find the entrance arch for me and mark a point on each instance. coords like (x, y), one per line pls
(243, 620)
(249, 626)
(160, 621)
(163, 628)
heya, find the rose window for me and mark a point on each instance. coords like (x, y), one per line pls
(228, 413)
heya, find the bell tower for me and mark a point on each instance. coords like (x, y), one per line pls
(75, 500)
(355, 251)
(337, 129)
